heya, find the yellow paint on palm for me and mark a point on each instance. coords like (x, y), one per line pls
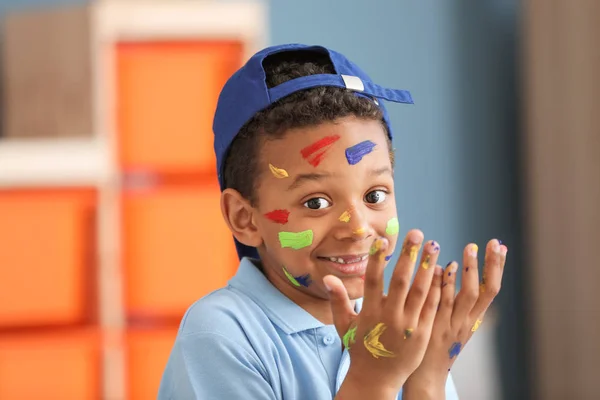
(345, 217)
(278, 172)
(373, 345)
(476, 326)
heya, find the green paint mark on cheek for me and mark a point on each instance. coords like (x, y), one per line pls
(393, 227)
(290, 277)
(296, 240)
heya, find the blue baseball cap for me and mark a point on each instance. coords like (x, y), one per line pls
(246, 93)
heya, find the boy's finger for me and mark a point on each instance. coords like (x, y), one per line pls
(448, 291)
(429, 310)
(420, 287)
(493, 269)
(469, 291)
(341, 307)
(373, 292)
(400, 282)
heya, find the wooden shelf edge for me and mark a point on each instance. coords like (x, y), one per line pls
(52, 162)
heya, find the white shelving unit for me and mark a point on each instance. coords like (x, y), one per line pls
(92, 162)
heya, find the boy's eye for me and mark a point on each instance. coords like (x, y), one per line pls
(317, 203)
(376, 196)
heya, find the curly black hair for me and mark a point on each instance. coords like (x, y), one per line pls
(304, 108)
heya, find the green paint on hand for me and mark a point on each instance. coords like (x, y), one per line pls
(393, 227)
(349, 337)
(296, 240)
(290, 277)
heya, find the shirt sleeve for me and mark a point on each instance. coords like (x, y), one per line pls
(451, 393)
(211, 366)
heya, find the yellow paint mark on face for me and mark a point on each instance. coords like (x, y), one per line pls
(359, 231)
(373, 345)
(345, 217)
(278, 172)
(476, 326)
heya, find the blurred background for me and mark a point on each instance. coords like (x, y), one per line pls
(108, 196)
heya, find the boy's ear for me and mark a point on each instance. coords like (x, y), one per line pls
(239, 216)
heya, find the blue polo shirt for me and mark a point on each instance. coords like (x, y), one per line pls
(249, 341)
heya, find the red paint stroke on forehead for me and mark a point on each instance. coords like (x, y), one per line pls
(308, 153)
(279, 216)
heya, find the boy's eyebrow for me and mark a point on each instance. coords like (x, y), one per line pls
(381, 171)
(301, 178)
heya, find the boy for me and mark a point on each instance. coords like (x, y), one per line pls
(305, 165)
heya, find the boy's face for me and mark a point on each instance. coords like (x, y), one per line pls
(337, 197)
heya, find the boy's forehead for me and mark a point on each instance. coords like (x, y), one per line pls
(316, 145)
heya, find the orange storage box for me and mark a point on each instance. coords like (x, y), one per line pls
(147, 355)
(46, 240)
(166, 97)
(62, 365)
(177, 248)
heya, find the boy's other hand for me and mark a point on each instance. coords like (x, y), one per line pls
(459, 316)
(388, 339)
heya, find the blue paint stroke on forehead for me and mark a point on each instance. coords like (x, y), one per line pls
(355, 153)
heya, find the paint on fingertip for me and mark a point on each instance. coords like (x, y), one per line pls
(473, 251)
(355, 153)
(393, 227)
(373, 345)
(296, 240)
(345, 217)
(454, 349)
(425, 263)
(315, 152)
(444, 284)
(476, 326)
(467, 269)
(278, 172)
(376, 246)
(278, 216)
(388, 258)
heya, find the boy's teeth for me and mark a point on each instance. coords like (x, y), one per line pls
(363, 258)
(337, 260)
(340, 260)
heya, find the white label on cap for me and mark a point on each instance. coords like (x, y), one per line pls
(353, 83)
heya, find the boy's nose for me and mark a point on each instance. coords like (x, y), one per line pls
(356, 228)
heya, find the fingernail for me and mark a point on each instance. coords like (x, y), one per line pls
(473, 250)
(496, 247)
(327, 286)
(503, 250)
(454, 267)
(438, 270)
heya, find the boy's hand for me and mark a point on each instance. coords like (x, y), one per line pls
(388, 339)
(459, 316)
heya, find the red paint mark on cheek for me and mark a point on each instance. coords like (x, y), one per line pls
(279, 216)
(315, 152)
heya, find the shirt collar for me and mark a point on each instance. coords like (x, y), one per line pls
(287, 315)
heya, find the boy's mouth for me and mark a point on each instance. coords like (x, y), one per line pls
(351, 259)
(355, 264)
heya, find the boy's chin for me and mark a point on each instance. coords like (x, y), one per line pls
(355, 290)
